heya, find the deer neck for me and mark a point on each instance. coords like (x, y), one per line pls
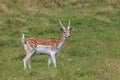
(62, 40)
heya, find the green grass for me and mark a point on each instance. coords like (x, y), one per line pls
(92, 52)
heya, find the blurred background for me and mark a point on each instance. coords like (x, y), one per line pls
(92, 52)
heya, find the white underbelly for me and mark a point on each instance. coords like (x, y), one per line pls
(43, 49)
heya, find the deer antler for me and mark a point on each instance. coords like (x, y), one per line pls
(69, 25)
(61, 24)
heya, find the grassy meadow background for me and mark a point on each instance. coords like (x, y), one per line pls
(92, 52)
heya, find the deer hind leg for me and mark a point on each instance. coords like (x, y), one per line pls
(29, 58)
(26, 60)
(26, 57)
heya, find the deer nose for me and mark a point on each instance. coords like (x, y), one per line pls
(68, 36)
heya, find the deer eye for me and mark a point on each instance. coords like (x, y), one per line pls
(64, 32)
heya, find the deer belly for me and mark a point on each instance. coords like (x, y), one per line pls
(43, 49)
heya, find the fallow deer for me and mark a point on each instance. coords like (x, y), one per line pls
(50, 47)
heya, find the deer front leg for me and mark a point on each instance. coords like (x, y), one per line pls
(49, 61)
(53, 58)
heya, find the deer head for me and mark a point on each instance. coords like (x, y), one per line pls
(66, 31)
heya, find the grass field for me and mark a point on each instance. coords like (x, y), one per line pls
(92, 52)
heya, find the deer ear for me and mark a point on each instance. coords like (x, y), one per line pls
(61, 29)
(70, 29)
